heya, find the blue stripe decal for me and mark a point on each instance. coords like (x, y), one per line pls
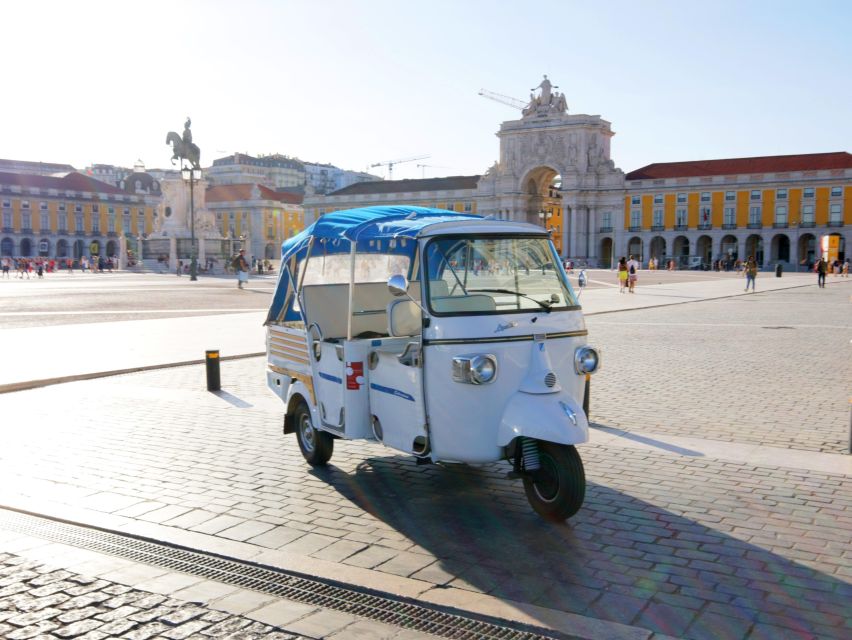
(393, 392)
(329, 377)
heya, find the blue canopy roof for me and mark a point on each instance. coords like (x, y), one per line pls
(352, 225)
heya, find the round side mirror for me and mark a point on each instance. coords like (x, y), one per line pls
(398, 285)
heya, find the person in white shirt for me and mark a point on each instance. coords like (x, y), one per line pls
(632, 273)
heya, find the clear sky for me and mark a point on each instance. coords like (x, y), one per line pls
(357, 82)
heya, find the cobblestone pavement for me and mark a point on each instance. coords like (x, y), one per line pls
(772, 368)
(689, 546)
(40, 601)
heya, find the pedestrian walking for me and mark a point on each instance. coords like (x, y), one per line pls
(632, 274)
(622, 274)
(179, 269)
(241, 266)
(821, 269)
(845, 270)
(750, 272)
(7, 263)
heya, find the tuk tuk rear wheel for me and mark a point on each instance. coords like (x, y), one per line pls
(316, 446)
(557, 489)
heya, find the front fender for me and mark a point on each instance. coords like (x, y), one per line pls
(543, 417)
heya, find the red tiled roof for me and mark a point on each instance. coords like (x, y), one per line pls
(243, 191)
(732, 166)
(72, 182)
(450, 183)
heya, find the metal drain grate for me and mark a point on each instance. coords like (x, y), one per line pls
(328, 594)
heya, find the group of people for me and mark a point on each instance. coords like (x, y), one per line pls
(822, 268)
(27, 267)
(628, 274)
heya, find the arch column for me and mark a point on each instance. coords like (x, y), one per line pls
(741, 247)
(566, 223)
(592, 233)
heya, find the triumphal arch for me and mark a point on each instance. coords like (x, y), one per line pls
(555, 170)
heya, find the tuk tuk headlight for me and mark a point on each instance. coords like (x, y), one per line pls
(587, 360)
(475, 369)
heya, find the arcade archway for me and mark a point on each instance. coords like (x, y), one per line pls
(704, 249)
(780, 248)
(657, 248)
(635, 248)
(605, 253)
(754, 247)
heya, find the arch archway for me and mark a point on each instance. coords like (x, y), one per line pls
(704, 249)
(61, 248)
(841, 249)
(606, 253)
(541, 186)
(730, 251)
(7, 247)
(635, 248)
(26, 250)
(754, 247)
(44, 247)
(79, 246)
(680, 246)
(657, 248)
(780, 248)
(95, 248)
(269, 251)
(111, 249)
(806, 253)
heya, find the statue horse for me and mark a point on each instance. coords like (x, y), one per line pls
(190, 151)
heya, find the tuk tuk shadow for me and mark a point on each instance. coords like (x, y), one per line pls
(617, 559)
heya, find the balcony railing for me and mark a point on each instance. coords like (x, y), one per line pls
(605, 230)
(26, 230)
(755, 225)
(79, 232)
(729, 225)
(635, 228)
(681, 227)
(705, 227)
(834, 223)
(780, 225)
(658, 227)
(807, 224)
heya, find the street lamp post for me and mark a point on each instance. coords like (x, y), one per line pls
(192, 175)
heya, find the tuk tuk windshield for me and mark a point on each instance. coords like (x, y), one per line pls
(473, 275)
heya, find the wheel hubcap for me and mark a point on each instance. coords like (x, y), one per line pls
(546, 483)
(306, 432)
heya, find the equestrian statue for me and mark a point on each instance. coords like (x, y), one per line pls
(182, 146)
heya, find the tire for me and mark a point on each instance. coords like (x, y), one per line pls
(316, 446)
(556, 490)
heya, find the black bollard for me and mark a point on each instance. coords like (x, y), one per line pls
(211, 360)
(587, 392)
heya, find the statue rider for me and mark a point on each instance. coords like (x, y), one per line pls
(187, 134)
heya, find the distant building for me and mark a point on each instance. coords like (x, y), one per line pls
(71, 216)
(275, 171)
(265, 217)
(35, 168)
(325, 178)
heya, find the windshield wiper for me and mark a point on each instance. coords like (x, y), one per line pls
(544, 305)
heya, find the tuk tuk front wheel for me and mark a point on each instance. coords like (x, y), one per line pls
(556, 490)
(316, 446)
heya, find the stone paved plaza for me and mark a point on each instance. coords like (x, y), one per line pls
(668, 541)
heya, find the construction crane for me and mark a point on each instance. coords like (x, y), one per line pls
(507, 100)
(432, 166)
(389, 163)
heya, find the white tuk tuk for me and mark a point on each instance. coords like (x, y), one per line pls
(449, 337)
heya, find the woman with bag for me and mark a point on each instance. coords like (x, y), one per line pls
(622, 274)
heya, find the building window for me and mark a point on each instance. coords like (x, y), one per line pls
(754, 215)
(95, 208)
(635, 200)
(836, 192)
(658, 217)
(658, 198)
(7, 204)
(26, 220)
(681, 198)
(126, 212)
(62, 206)
(78, 222)
(111, 223)
(42, 206)
(78, 208)
(25, 204)
(606, 219)
(468, 207)
(704, 216)
(7, 220)
(781, 214)
(834, 214)
(730, 216)
(808, 192)
(680, 217)
(808, 214)
(730, 196)
(755, 195)
(635, 218)
(111, 211)
(96, 224)
(781, 194)
(705, 196)
(44, 221)
(62, 223)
